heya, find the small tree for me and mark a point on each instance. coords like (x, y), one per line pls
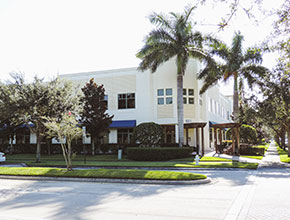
(65, 131)
(248, 134)
(148, 134)
(94, 116)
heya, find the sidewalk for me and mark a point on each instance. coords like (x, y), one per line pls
(234, 158)
(272, 158)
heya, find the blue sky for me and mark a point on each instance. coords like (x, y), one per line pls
(46, 37)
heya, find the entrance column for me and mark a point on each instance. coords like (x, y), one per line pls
(176, 133)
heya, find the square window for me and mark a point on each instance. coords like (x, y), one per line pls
(184, 91)
(190, 92)
(168, 91)
(160, 101)
(169, 100)
(190, 100)
(160, 92)
(184, 100)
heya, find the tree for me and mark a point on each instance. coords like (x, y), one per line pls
(173, 37)
(9, 118)
(40, 100)
(237, 63)
(65, 130)
(94, 116)
(148, 134)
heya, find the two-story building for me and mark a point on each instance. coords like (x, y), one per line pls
(135, 97)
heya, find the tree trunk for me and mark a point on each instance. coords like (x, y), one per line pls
(93, 145)
(38, 147)
(180, 111)
(49, 146)
(288, 135)
(236, 98)
(69, 156)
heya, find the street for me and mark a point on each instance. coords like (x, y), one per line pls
(26, 199)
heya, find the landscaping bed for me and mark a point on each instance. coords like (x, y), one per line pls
(100, 173)
(283, 155)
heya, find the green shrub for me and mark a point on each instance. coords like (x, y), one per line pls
(148, 135)
(248, 134)
(158, 154)
(251, 150)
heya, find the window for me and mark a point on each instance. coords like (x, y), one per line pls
(124, 136)
(160, 101)
(188, 95)
(169, 100)
(160, 92)
(190, 92)
(190, 100)
(184, 91)
(184, 100)
(126, 100)
(168, 92)
(164, 98)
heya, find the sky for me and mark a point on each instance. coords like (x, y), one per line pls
(50, 37)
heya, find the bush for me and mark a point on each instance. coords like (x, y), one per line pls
(158, 154)
(248, 134)
(246, 149)
(148, 135)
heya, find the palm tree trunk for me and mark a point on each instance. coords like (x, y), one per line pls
(288, 134)
(180, 112)
(236, 98)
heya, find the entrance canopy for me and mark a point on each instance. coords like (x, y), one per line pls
(123, 124)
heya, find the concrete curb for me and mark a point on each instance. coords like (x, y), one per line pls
(98, 180)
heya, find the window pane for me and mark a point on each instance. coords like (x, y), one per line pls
(121, 104)
(184, 100)
(131, 103)
(168, 91)
(184, 91)
(160, 101)
(169, 100)
(190, 100)
(190, 92)
(160, 92)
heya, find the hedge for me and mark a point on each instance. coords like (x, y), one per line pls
(158, 154)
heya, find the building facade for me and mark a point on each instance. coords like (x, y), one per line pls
(134, 97)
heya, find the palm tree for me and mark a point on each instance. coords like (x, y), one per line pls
(237, 63)
(173, 37)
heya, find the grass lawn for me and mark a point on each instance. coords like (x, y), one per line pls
(112, 161)
(101, 173)
(253, 157)
(283, 155)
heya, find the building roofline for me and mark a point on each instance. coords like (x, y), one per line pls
(88, 73)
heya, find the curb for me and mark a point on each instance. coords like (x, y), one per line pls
(98, 180)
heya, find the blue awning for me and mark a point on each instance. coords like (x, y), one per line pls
(123, 124)
(212, 123)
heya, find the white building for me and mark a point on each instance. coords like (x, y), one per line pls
(135, 97)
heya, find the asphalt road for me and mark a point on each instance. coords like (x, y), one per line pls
(25, 199)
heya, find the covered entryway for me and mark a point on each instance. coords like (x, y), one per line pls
(199, 135)
(218, 140)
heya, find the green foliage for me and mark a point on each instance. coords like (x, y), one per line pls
(158, 154)
(102, 173)
(94, 116)
(148, 135)
(65, 130)
(248, 134)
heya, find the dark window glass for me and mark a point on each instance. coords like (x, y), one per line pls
(184, 100)
(160, 92)
(160, 101)
(184, 91)
(126, 101)
(168, 91)
(124, 136)
(190, 92)
(169, 100)
(190, 100)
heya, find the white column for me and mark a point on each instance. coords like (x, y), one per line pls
(176, 133)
